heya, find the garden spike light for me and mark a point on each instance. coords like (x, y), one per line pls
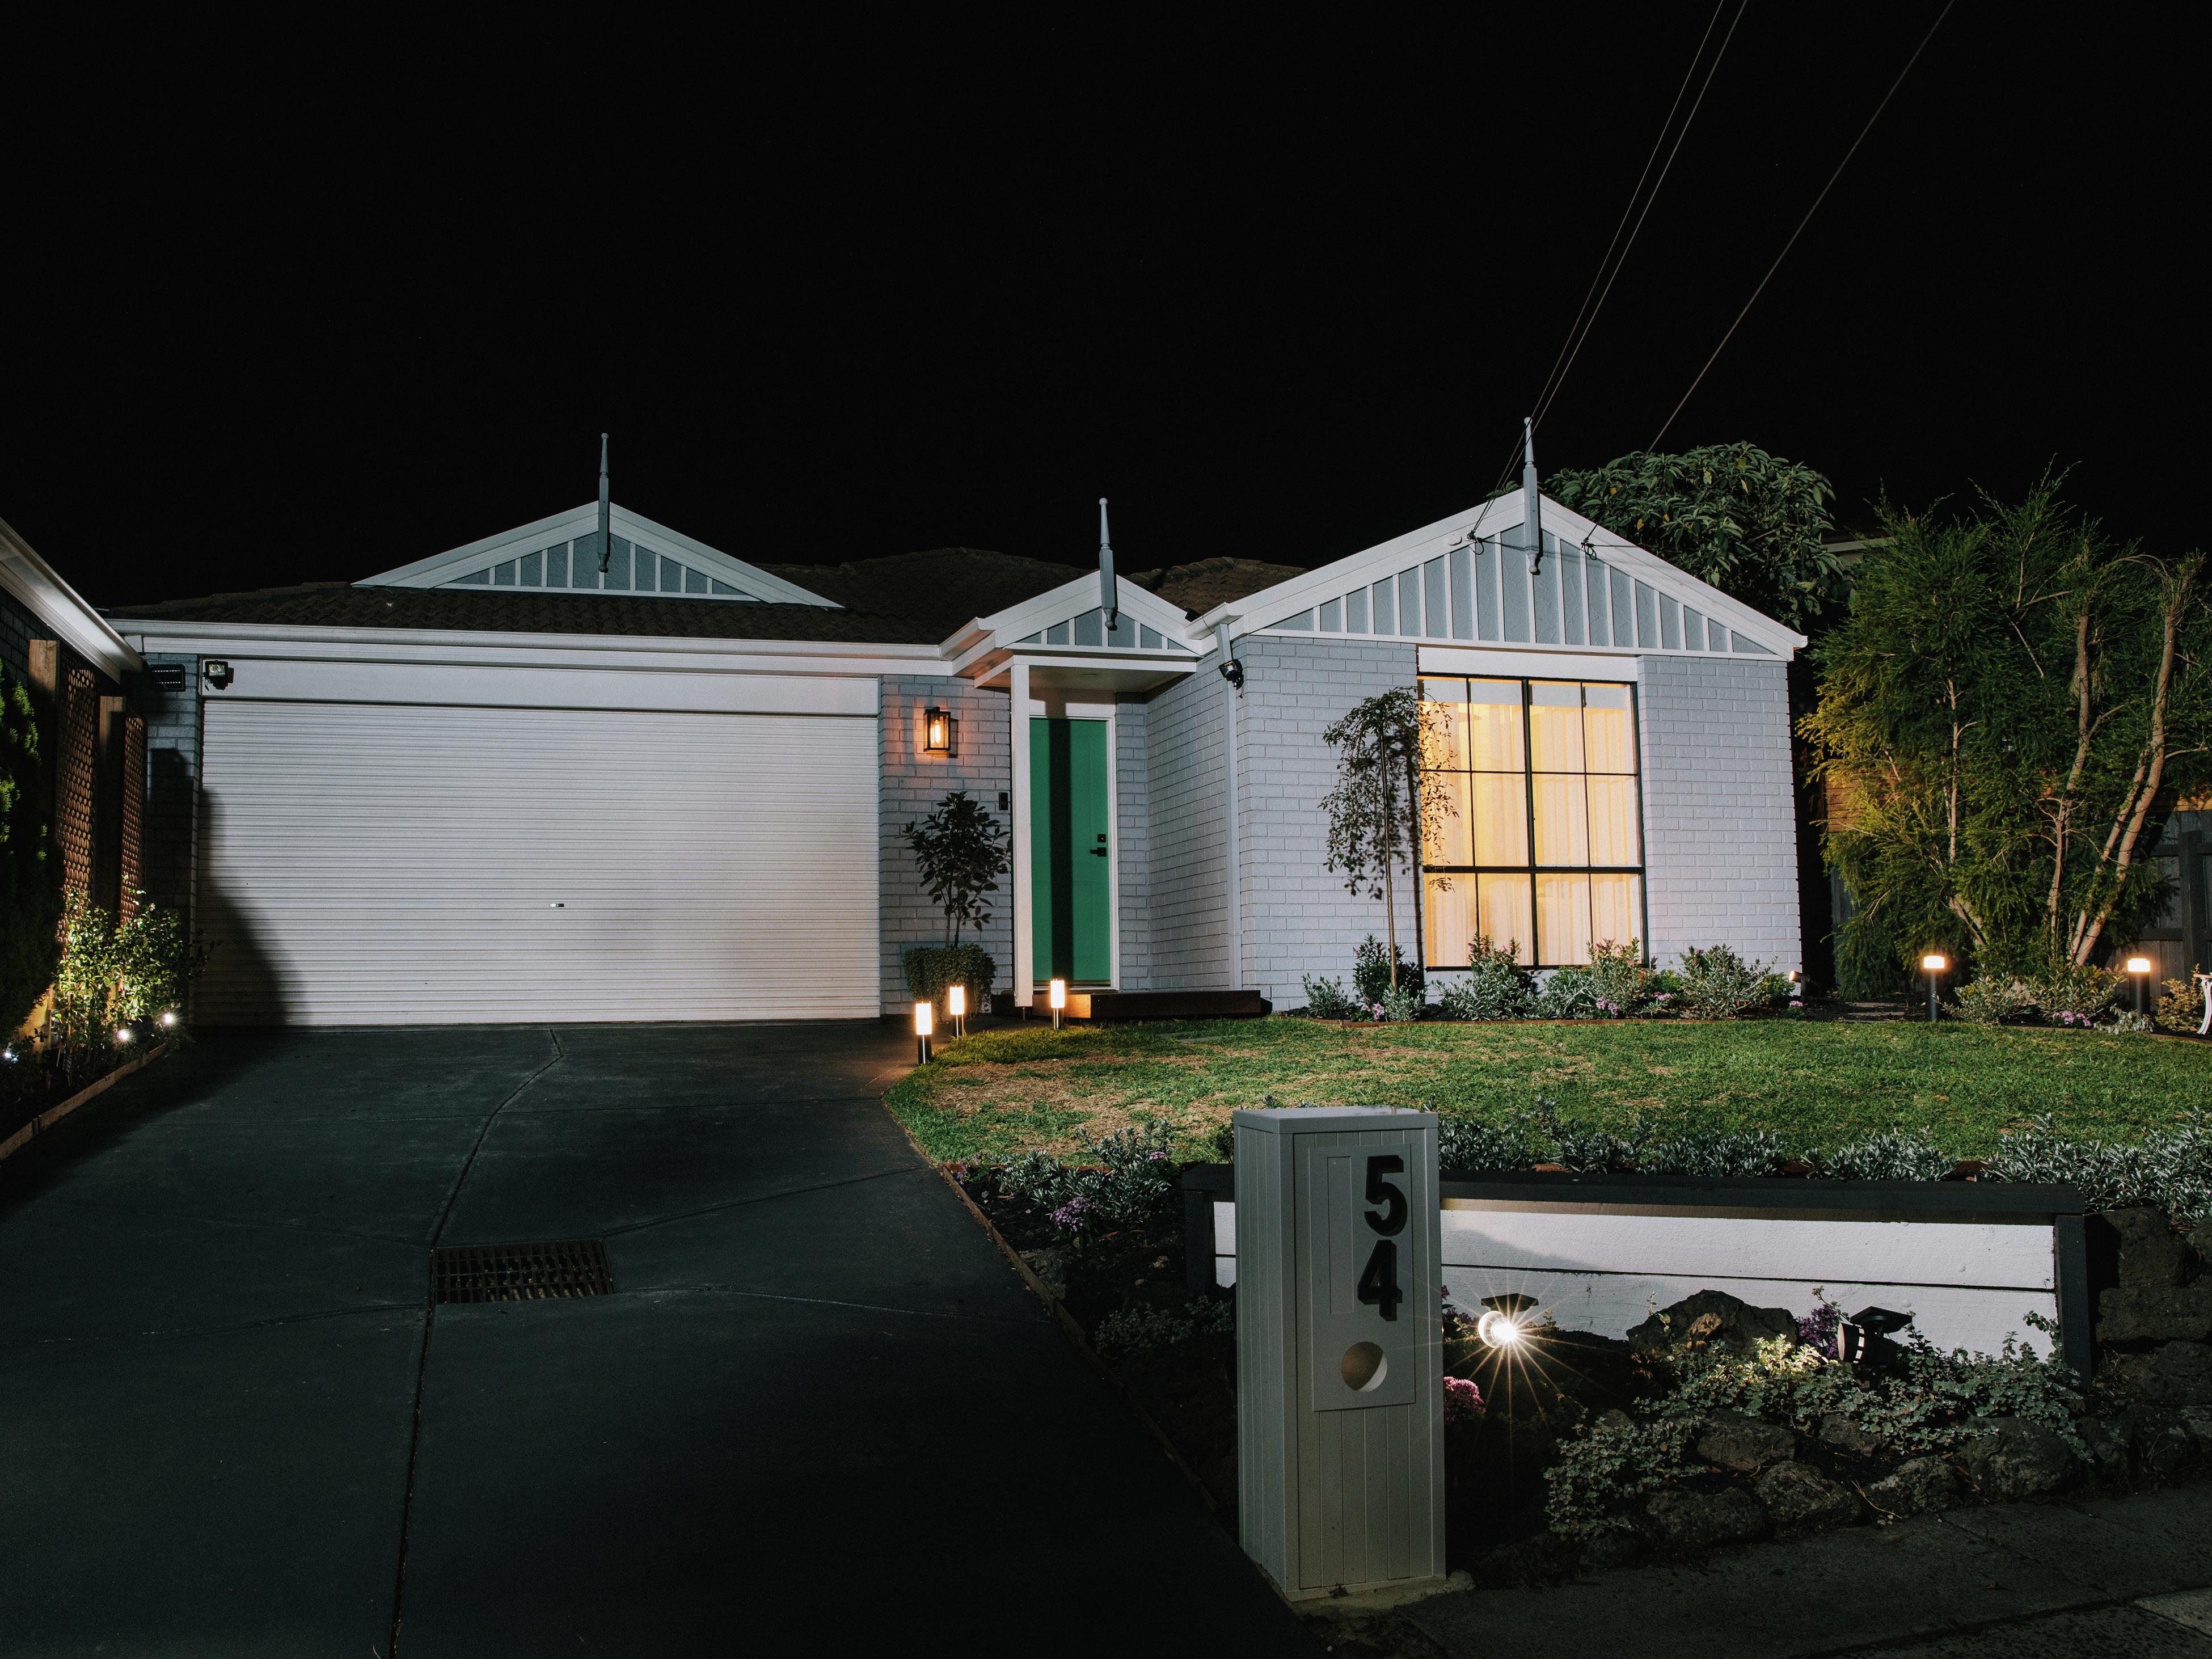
(925, 1021)
(1057, 995)
(956, 1008)
(2139, 971)
(1933, 965)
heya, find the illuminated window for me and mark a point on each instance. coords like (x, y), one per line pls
(1544, 843)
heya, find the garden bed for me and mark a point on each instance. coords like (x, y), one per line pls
(1713, 1423)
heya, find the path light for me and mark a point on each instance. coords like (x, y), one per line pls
(1057, 995)
(170, 1019)
(956, 1004)
(124, 1033)
(941, 733)
(925, 1021)
(2139, 969)
(1933, 965)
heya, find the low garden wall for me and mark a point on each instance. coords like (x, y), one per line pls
(1600, 1252)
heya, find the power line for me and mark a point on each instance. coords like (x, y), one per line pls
(1543, 402)
(1634, 195)
(1807, 220)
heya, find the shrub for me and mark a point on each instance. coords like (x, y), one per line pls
(1619, 980)
(1133, 1179)
(1718, 984)
(1994, 999)
(1325, 1000)
(1370, 972)
(2182, 1007)
(2169, 1170)
(2074, 994)
(1129, 1329)
(30, 864)
(930, 969)
(1468, 1146)
(1396, 1006)
(1928, 1407)
(1568, 994)
(1494, 986)
(2129, 1023)
(111, 976)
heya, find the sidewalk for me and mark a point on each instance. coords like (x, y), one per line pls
(2124, 1576)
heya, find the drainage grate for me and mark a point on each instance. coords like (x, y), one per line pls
(520, 1272)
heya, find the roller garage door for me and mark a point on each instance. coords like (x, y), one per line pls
(382, 864)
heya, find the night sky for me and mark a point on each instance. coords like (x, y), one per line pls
(849, 295)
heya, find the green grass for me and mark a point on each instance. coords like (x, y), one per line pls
(1820, 1085)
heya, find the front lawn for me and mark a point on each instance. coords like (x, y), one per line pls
(998, 1093)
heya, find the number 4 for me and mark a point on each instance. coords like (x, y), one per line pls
(1378, 1285)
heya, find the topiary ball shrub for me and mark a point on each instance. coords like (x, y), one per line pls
(930, 969)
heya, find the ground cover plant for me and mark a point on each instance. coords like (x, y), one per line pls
(1815, 1087)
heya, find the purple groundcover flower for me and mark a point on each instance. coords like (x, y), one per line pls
(1817, 1329)
(1074, 1215)
(1463, 1401)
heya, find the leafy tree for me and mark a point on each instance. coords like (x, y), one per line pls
(2008, 713)
(960, 850)
(1378, 816)
(30, 862)
(1730, 515)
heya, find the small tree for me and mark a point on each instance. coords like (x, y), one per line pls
(960, 850)
(1379, 816)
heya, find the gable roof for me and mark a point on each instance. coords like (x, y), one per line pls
(1466, 579)
(1069, 619)
(34, 585)
(546, 556)
(1200, 587)
(908, 599)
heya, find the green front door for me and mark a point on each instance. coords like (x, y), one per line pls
(1072, 860)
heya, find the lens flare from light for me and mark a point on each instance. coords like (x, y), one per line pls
(1500, 1330)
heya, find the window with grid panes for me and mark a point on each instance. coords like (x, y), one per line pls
(1543, 846)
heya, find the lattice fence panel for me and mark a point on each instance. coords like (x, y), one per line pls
(80, 723)
(133, 838)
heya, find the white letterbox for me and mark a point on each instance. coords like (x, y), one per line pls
(1339, 1359)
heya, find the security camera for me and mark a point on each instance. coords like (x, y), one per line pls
(1233, 672)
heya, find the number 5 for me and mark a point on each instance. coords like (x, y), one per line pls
(1379, 1191)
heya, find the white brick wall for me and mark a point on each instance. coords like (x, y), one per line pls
(913, 783)
(1298, 919)
(1187, 900)
(1720, 832)
(1133, 841)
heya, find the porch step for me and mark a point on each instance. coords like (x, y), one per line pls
(1158, 1004)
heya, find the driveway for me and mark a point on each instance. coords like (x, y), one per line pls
(819, 1411)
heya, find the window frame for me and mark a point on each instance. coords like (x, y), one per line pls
(1532, 869)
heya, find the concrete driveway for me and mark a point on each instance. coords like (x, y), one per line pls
(819, 1411)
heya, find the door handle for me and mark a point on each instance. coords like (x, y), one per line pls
(1097, 852)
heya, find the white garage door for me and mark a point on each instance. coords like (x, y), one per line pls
(387, 865)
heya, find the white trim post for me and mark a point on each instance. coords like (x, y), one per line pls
(1236, 859)
(1025, 964)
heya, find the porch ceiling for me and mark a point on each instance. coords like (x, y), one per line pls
(1061, 670)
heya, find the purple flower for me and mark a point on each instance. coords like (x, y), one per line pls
(1817, 1329)
(1463, 1401)
(1074, 1215)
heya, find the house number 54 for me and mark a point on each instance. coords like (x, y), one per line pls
(1378, 1285)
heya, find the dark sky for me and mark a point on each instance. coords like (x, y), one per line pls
(845, 295)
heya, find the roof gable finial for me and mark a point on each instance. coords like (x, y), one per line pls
(606, 512)
(1532, 503)
(1109, 595)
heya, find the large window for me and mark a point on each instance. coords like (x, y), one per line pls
(1544, 845)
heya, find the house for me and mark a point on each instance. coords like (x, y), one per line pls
(546, 776)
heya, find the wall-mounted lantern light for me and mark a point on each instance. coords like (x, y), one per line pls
(1933, 965)
(956, 1006)
(925, 1022)
(2139, 971)
(1057, 996)
(940, 732)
